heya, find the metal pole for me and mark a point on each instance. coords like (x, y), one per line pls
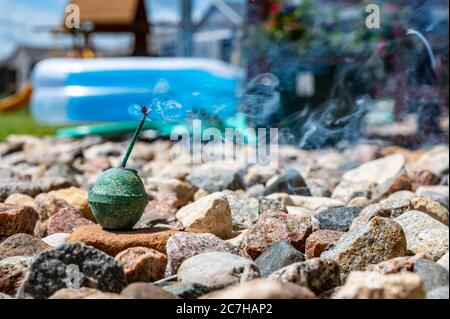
(187, 28)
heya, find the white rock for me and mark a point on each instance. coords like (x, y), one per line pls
(377, 171)
(401, 195)
(443, 190)
(210, 214)
(314, 203)
(56, 240)
(436, 160)
(217, 270)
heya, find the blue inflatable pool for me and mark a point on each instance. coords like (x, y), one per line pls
(69, 91)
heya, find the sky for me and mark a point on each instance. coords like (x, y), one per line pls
(26, 22)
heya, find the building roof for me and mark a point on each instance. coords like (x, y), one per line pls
(107, 12)
(231, 13)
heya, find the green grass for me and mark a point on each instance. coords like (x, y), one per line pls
(21, 122)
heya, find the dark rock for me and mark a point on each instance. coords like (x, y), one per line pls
(290, 181)
(315, 274)
(338, 218)
(188, 291)
(279, 255)
(74, 264)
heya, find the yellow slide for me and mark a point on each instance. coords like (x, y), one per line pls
(17, 100)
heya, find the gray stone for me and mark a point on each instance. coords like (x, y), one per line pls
(267, 204)
(184, 245)
(389, 208)
(379, 240)
(279, 255)
(438, 293)
(217, 270)
(424, 234)
(215, 180)
(444, 261)
(435, 192)
(316, 274)
(244, 211)
(290, 181)
(338, 218)
(255, 191)
(12, 186)
(432, 274)
(75, 264)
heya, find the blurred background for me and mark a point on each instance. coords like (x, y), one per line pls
(311, 68)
